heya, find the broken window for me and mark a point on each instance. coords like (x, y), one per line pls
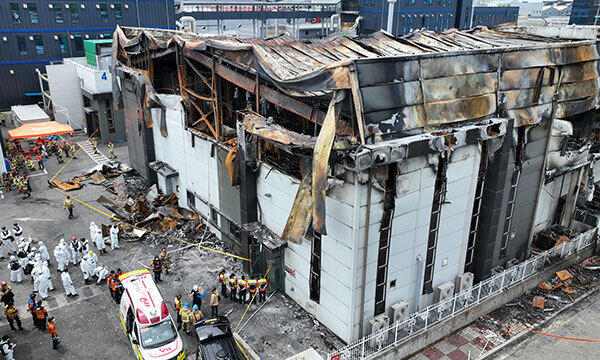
(385, 235)
(214, 216)
(439, 196)
(191, 199)
(315, 268)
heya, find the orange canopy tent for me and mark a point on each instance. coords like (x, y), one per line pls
(39, 129)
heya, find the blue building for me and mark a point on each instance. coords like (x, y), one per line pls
(436, 15)
(584, 12)
(34, 33)
(494, 15)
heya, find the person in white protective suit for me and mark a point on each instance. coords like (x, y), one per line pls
(93, 230)
(85, 246)
(59, 255)
(84, 265)
(114, 236)
(7, 242)
(16, 272)
(45, 270)
(99, 242)
(18, 233)
(101, 272)
(44, 252)
(68, 283)
(75, 247)
(93, 259)
(36, 272)
(44, 285)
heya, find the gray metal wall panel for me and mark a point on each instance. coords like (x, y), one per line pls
(229, 196)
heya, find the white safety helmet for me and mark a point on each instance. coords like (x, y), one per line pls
(195, 287)
(13, 258)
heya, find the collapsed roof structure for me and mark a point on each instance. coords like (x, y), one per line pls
(387, 165)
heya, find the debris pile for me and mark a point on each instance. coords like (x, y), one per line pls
(547, 298)
(551, 237)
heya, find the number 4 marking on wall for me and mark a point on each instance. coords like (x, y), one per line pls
(104, 76)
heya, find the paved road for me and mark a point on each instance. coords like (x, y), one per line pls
(581, 321)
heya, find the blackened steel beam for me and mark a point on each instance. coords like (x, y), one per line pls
(273, 96)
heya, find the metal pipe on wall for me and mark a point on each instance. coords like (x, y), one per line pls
(364, 270)
(390, 19)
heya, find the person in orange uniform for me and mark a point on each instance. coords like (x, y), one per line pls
(223, 282)
(242, 287)
(53, 333)
(156, 266)
(110, 283)
(40, 315)
(232, 287)
(262, 289)
(252, 288)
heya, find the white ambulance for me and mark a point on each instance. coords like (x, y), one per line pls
(146, 319)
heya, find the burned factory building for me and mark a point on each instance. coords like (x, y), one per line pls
(373, 175)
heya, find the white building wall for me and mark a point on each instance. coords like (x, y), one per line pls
(276, 192)
(197, 169)
(410, 230)
(65, 90)
(456, 215)
(549, 199)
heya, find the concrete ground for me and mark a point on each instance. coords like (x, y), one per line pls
(580, 321)
(89, 326)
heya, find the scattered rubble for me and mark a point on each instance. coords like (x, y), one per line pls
(546, 299)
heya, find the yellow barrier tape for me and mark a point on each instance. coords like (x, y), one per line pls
(139, 228)
(248, 307)
(238, 344)
(72, 157)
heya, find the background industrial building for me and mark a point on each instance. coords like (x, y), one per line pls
(34, 33)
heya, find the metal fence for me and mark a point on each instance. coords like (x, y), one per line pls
(419, 322)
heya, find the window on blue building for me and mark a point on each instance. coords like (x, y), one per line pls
(411, 22)
(33, 13)
(104, 12)
(443, 3)
(78, 42)
(15, 12)
(39, 44)
(372, 2)
(430, 2)
(435, 24)
(118, 12)
(58, 13)
(407, 2)
(62, 43)
(428, 22)
(404, 29)
(412, 2)
(22, 45)
(74, 9)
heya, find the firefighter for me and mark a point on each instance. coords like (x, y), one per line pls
(165, 257)
(177, 306)
(118, 290)
(223, 282)
(156, 266)
(12, 314)
(72, 150)
(186, 317)
(196, 314)
(252, 287)
(242, 285)
(111, 151)
(59, 155)
(95, 145)
(53, 333)
(214, 302)
(65, 148)
(232, 287)
(68, 204)
(262, 289)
